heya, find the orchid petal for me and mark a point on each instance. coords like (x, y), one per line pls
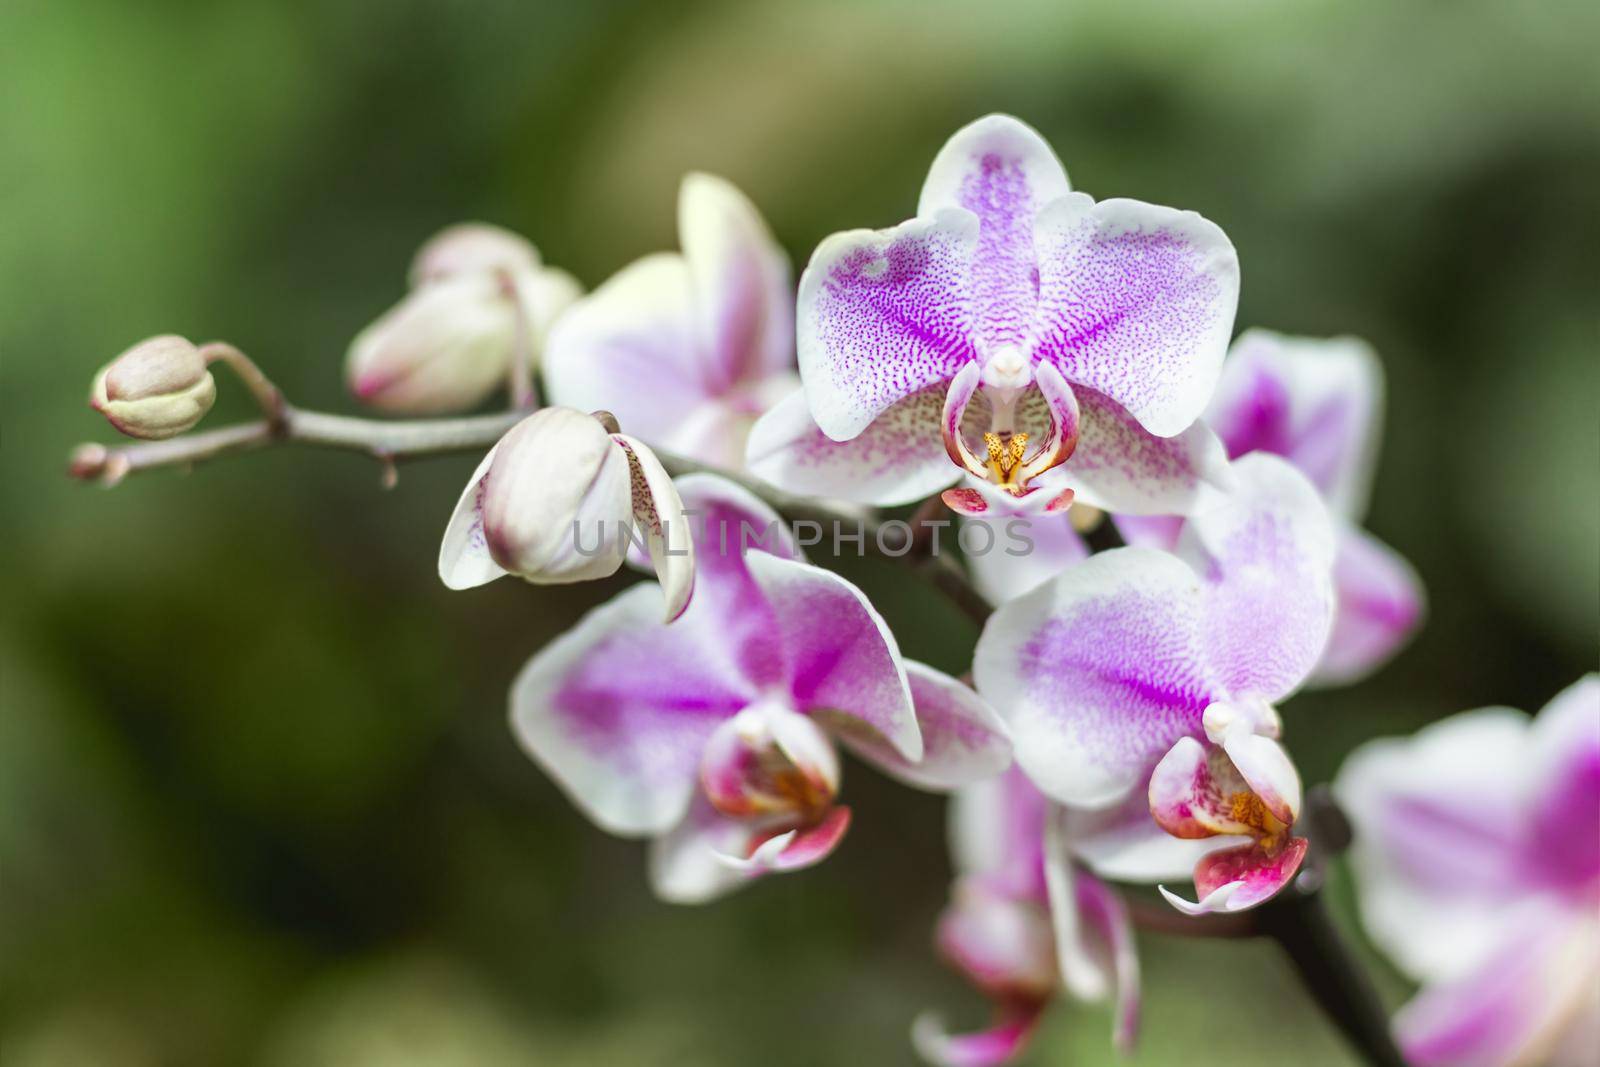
(1268, 548)
(1317, 402)
(629, 348)
(896, 460)
(1150, 531)
(686, 862)
(1196, 792)
(1564, 764)
(962, 386)
(739, 281)
(1137, 302)
(1061, 439)
(839, 653)
(966, 500)
(658, 510)
(1268, 771)
(999, 1044)
(997, 833)
(1380, 604)
(1002, 171)
(1518, 1005)
(1097, 672)
(1120, 466)
(464, 558)
(1093, 934)
(1001, 942)
(1235, 879)
(1440, 831)
(883, 315)
(1036, 549)
(1124, 844)
(618, 710)
(963, 740)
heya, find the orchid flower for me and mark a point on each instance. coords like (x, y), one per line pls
(560, 499)
(1477, 858)
(716, 736)
(1137, 657)
(1011, 328)
(477, 293)
(1318, 404)
(1025, 920)
(686, 349)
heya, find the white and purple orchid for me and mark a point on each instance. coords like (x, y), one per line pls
(561, 499)
(1477, 856)
(1137, 659)
(1025, 920)
(1318, 403)
(1014, 327)
(716, 736)
(686, 349)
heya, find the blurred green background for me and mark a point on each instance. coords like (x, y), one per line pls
(258, 804)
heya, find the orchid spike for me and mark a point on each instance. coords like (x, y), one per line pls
(1477, 861)
(716, 736)
(1136, 657)
(561, 499)
(1011, 329)
(687, 349)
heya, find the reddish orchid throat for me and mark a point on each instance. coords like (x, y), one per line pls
(1032, 423)
(772, 764)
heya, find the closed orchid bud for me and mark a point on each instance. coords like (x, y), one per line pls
(479, 293)
(158, 388)
(560, 499)
(472, 248)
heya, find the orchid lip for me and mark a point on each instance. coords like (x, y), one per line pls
(1007, 461)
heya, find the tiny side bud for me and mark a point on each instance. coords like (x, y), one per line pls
(158, 388)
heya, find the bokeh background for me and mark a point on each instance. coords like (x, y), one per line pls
(258, 803)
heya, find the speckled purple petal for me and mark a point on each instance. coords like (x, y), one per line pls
(838, 653)
(1120, 466)
(883, 315)
(1002, 171)
(658, 514)
(740, 285)
(618, 709)
(1315, 401)
(963, 740)
(1266, 550)
(896, 460)
(1380, 606)
(1136, 302)
(1098, 672)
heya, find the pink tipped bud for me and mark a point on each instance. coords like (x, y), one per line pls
(472, 248)
(158, 388)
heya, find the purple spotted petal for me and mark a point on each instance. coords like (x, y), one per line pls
(1236, 879)
(1120, 466)
(896, 460)
(838, 653)
(1267, 552)
(740, 285)
(1002, 171)
(1380, 606)
(1136, 302)
(1000, 1044)
(618, 709)
(1316, 402)
(883, 315)
(629, 348)
(658, 514)
(963, 740)
(1528, 1002)
(1098, 672)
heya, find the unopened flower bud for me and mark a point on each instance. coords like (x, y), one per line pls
(478, 293)
(472, 248)
(559, 499)
(158, 388)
